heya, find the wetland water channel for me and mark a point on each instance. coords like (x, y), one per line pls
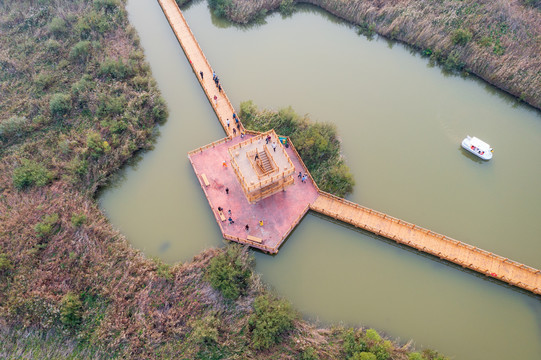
(401, 123)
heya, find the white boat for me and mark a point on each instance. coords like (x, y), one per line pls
(477, 147)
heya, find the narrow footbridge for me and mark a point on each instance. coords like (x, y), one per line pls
(446, 248)
(402, 232)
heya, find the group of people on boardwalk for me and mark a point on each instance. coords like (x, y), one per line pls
(216, 81)
(215, 98)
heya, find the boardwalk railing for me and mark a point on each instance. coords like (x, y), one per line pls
(485, 262)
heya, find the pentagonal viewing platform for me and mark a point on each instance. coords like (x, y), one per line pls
(280, 207)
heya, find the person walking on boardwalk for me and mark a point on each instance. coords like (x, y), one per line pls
(274, 146)
(214, 75)
(300, 174)
(231, 222)
(227, 190)
(234, 132)
(216, 100)
(235, 117)
(227, 122)
(247, 227)
(219, 88)
(201, 73)
(304, 178)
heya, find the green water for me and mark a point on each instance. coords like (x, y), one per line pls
(401, 123)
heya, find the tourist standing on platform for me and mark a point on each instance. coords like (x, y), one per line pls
(201, 73)
(247, 227)
(227, 190)
(216, 100)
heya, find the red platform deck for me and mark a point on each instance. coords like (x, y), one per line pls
(280, 212)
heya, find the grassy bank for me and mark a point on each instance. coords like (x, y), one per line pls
(498, 41)
(78, 100)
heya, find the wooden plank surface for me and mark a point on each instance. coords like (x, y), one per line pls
(436, 244)
(254, 239)
(222, 107)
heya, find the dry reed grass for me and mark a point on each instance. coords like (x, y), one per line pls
(504, 51)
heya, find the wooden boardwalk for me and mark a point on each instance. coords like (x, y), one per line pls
(452, 250)
(465, 255)
(222, 107)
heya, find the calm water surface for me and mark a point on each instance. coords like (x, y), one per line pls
(401, 123)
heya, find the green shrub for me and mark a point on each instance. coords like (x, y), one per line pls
(163, 270)
(107, 5)
(44, 80)
(485, 41)
(205, 331)
(71, 309)
(115, 69)
(77, 220)
(30, 173)
(309, 354)
(96, 145)
(57, 26)
(415, 356)
(60, 104)
(271, 318)
(159, 111)
(372, 335)
(461, 36)
(48, 226)
(52, 46)
(110, 106)
(80, 51)
(221, 7)
(453, 63)
(14, 126)
(352, 344)
(365, 356)
(430, 354)
(117, 127)
(5, 264)
(78, 166)
(83, 28)
(230, 271)
(287, 7)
